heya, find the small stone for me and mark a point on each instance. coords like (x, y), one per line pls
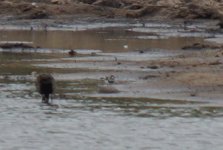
(193, 94)
(153, 67)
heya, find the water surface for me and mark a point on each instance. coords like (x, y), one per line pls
(108, 39)
(76, 121)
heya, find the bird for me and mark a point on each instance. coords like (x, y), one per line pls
(72, 53)
(126, 46)
(110, 79)
(45, 85)
(45, 26)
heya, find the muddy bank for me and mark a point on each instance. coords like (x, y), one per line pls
(194, 9)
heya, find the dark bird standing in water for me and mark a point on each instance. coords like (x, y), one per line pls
(45, 86)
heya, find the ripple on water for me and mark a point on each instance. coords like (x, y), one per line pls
(83, 124)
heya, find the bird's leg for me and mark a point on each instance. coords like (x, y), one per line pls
(43, 99)
(47, 98)
(51, 98)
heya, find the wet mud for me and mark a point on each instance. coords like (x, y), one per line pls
(156, 82)
(143, 67)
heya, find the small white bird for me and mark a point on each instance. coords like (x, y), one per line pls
(110, 79)
(126, 46)
(33, 4)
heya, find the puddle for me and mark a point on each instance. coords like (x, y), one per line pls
(108, 39)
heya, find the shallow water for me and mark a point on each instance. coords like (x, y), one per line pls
(108, 39)
(105, 124)
(76, 121)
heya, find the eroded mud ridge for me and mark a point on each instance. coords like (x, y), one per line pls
(123, 82)
(192, 9)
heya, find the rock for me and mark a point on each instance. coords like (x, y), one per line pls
(60, 2)
(109, 3)
(93, 54)
(153, 67)
(215, 63)
(88, 1)
(141, 51)
(72, 53)
(193, 94)
(148, 77)
(170, 3)
(194, 10)
(134, 7)
(37, 14)
(108, 90)
(145, 10)
(199, 46)
(26, 7)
